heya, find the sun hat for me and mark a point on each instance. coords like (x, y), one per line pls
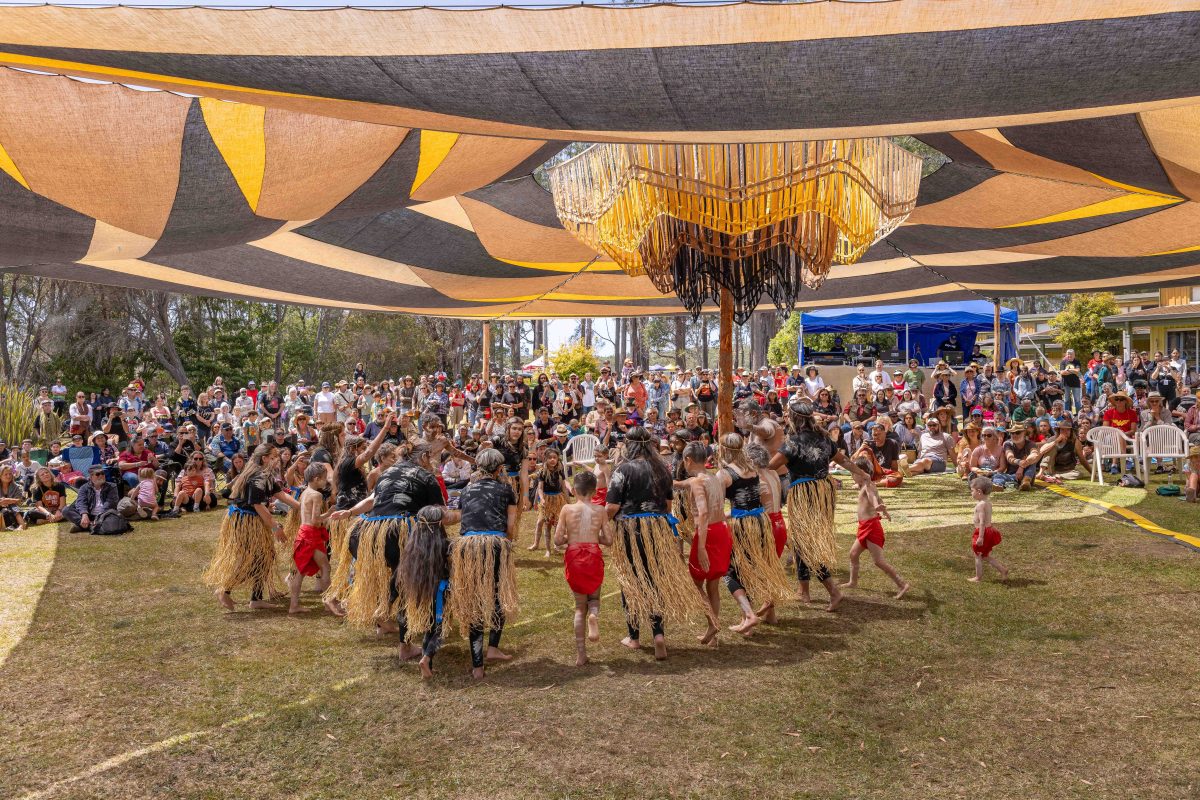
(561, 430)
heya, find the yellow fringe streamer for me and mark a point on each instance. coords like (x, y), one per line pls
(473, 585)
(245, 556)
(811, 506)
(369, 599)
(759, 569)
(552, 506)
(662, 585)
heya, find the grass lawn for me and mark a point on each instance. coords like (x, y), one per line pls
(1075, 678)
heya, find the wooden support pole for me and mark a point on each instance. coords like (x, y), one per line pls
(996, 349)
(487, 350)
(725, 366)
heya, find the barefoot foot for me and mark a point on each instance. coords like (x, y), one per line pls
(426, 668)
(903, 591)
(848, 585)
(835, 600)
(1004, 573)
(297, 610)
(632, 644)
(581, 659)
(386, 628)
(477, 673)
(408, 652)
(593, 628)
(225, 600)
(261, 604)
(335, 608)
(660, 648)
(975, 579)
(709, 637)
(496, 654)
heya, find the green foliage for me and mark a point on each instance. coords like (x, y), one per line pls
(17, 412)
(575, 357)
(784, 345)
(1080, 325)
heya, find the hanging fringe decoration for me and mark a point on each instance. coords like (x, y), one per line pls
(811, 506)
(757, 219)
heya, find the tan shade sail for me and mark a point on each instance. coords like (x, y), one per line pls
(382, 159)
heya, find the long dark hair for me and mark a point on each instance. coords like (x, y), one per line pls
(254, 471)
(423, 559)
(645, 465)
(800, 418)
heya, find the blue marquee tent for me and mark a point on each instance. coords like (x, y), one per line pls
(919, 328)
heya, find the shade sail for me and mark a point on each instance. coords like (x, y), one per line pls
(677, 72)
(1091, 180)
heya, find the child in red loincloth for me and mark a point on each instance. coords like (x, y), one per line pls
(602, 471)
(583, 527)
(985, 536)
(712, 543)
(308, 552)
(871, 512)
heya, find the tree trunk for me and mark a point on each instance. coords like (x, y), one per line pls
(587, 331)
(280, 312)
(514, 345)
(704, 341)
(635, 342)
(680, 323)
(619, 343)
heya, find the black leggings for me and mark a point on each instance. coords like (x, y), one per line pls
(656, 620)
(802, 571)
(475, 634)
(731, 579)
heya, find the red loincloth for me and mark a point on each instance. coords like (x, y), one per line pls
(983, 546)
(779, 529)
(601, 497)
(870, 530)
(583, 567)
(719, 545)
(442, 485)
(308, 541)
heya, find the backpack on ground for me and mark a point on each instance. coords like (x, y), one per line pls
(110, 523)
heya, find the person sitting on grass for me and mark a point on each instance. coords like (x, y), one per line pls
(966, 446)
(1020, 460)
(935, 451)
(95, 497)
(1059, 455)
(988, 459)
(12, 497)
(195, 489)
(49, 497)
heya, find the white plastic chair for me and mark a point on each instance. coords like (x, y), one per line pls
(581, 450)
(1110, 444)
(1161, 442)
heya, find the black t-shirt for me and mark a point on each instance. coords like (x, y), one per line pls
(272, 404)
(255, 492)
(1167, 386)
(551, 482)
(484, 504)
(632, 488)
(1071, 380)
(887, 453)
(405, 488)
(53, 497)
(320, 456)
(1017, 453)
(512, 455)
(808, 454)
(352, 485)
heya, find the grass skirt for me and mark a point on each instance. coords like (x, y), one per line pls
(245, 556)
(419, 615)
(369, 598)
(681, 509)
(759, 569)
(284, 560)
(551, 507)
(482, 572)
(654, 577)
(811, 506)
(341, 562)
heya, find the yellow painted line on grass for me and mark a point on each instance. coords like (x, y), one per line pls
(183, 738)
(1132, 516)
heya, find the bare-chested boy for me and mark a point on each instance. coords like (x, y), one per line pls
(309, 550)
(871, 512)
(712, 543)
(771, 495)
(583, 527)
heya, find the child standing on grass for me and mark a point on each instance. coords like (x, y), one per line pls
(871, 512)
(712, 543)
(583, 527)
(985, 536)
(147, 494)
(603, 472)
(308, 552)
